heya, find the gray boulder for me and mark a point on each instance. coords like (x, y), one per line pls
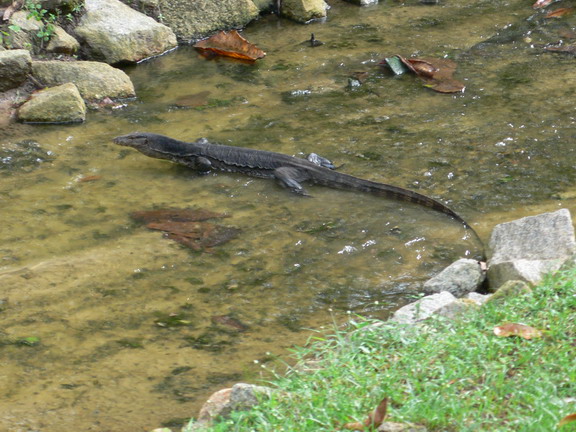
(422, 309)
(458, 309)
(197, 19)
(62, 43)
(528, 248)
(94, 80)
(61, 104)
(459, 278)
(113, 32)
(25, 37)
(304, 10)
(240, 396)
(15, 65)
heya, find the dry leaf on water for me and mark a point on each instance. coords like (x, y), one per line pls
(558, 13)
(374, 420)
(437, 74)
(230, 44)
(568, 419)
(521, 330)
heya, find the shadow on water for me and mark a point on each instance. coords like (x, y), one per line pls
(108, 326)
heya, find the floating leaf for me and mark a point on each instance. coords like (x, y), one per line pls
(558, 13)
(513, 329)
(568, 419)
(374, 420)
(436, 73)
(230, 44)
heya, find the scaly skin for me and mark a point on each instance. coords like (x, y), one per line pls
(204, 156)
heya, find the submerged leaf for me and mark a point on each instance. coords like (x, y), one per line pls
(521, 330)
(175, 215)
(566, 49)
(184, 226)
(230, 44)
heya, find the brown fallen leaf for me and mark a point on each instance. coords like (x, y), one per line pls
(568, 419)
(230, 322)
(514, 329)
(565, 49)
(374, 420)
(558, 13)
(214, 235)
(437, 74)
(193, 100)
(90, 178)
(230, 44)
(175, 215)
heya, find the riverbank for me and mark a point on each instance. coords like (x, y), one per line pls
(445, 375)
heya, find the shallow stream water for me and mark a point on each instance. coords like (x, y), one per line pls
(106, 326)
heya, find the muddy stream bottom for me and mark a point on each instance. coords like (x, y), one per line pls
(108, 326)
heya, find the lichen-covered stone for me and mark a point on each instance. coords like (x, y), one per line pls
(510, 289)
(61, 104)
(459, 278)
(94, 80)
(423, 308)
(458, 309)
(15, 65)
(528, 248)
(62, 43)
(25, 36)
(195, 20)
(304, 10)
(113, 32)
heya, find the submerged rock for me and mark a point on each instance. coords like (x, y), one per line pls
(94, 80)
(15, 65)
(528, 248)
(61, 104)
(113, 32)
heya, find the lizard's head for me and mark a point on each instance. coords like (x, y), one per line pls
(137, 140)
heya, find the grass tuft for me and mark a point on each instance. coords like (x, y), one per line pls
(446, 375)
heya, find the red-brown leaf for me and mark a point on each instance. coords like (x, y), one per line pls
(558, 13)
(175, 215)
(374, 420)
(514, 329)
(568, 419)
(230, 44)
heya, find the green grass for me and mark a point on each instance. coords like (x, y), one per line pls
(447, 376)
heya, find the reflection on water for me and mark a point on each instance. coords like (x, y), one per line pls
(127, 330)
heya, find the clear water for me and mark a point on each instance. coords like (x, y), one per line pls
(93, 286)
